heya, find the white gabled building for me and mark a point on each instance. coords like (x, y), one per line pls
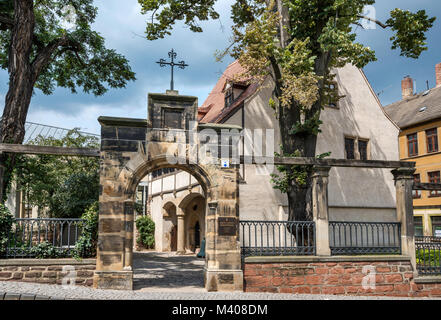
(354, 128)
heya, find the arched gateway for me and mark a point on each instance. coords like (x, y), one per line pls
(130, 149)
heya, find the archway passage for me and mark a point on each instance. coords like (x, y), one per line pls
(176, 203)
(166, 271)
(132, 148)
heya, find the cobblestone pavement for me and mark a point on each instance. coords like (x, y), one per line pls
(165, 272)
(84, 293)
(157, 276)
(22, 296)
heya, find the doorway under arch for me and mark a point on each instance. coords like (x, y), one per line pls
(176, 203)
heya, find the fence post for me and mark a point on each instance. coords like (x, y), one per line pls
(404, 183)
(320, 209)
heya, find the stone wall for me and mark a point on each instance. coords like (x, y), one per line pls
(48, 271)
(337, 276)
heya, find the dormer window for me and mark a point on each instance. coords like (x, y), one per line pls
(229, 96)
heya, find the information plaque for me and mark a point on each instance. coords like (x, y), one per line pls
(227, 226)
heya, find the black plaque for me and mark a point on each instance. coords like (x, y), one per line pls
(227, 226)
(172, 119)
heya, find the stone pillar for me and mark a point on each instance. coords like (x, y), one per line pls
(320, 209)
(223, 270)
(404, 183)
(181, 230)
(129, 216)
(210, 235)
(122, 140)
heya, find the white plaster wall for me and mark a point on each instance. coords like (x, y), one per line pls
(354, 194)
(236, 118)
(258, 200)
(182, 179)
(359, 114)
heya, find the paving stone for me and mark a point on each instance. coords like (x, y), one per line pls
(27, 297)
(2, 295)
(12, 296)
(162, 276)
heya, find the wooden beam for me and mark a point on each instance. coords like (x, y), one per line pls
(56, 151)
(427, 186)
(369, 164)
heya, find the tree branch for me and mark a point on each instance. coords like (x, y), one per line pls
(75, 51)
(6, 21)
(384, 26)
(46, 54)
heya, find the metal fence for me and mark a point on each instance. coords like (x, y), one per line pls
(428, 239)
(60, 235)
(277, 238)
(428, 255)
(364, 238)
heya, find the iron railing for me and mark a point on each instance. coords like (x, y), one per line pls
(428, 255)
(277, 238)
(428, 239)
(364, 238)
(27, 233)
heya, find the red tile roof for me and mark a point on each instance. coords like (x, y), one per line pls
(213, 109)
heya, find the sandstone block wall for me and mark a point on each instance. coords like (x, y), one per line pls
(48, 271)
(392, 278)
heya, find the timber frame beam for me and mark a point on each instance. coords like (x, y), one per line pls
(56, 151)
(87, 152)
(367, 164)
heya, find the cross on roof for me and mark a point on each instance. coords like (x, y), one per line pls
(181, 64)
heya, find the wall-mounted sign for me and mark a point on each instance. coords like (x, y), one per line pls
(227, 226)
(225, 163)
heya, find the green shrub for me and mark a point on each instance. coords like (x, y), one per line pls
(429, 257)
(138, 207)
(45, 250)
(87, 243)
(146, 232)
(6, 222)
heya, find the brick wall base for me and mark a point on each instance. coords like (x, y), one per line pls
(48, 271)
(392, 278)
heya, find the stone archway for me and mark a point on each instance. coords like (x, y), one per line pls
(130, 149)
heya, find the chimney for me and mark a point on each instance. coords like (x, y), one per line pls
(438, 75)
(407, 87)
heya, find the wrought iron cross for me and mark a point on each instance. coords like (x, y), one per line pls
(181, 64)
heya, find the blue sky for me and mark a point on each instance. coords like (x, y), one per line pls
(122, 25)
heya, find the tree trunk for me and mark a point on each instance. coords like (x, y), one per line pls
(300, 196)
(21, 83)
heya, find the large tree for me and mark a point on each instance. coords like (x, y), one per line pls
(46, 44)
(298, 43)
